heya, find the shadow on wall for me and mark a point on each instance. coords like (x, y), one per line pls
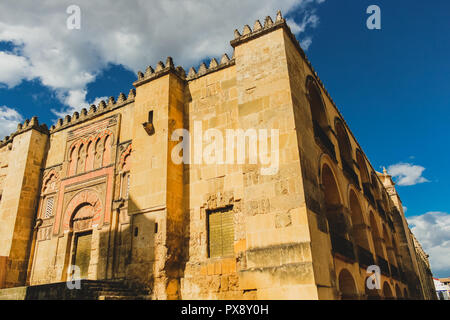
(146, 249)
(128, 248)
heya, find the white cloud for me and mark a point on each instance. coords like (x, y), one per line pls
(75, 100)
(9, 118)
(13, 69)
(432, 229)
(305, 43)
(132, 33)
(310, 19)
(407, 174)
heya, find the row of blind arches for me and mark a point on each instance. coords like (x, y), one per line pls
(88, 155)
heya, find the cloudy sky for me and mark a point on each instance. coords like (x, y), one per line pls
(392, 85)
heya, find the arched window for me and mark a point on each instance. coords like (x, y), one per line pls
(398, 292)
(316, 104)
(389, 247)
(387, 292)
(333, 204)
(319, 117)
(125, 169)
(50, 184)
(126, 163)
(377, 241)
(48, 195)
(98, 154)
(73, 158)
(81, 159)
(347, 286)
(365, 257)
(126, 177)
(379, 250)
(405, 293)
(359, 226)
(365, 178)
(107, 151)
(375, 186)
(90, 156)
(345, 148)
(372, 293)
(337, 221)
(126, 185)
(345, 151)
(362, 167)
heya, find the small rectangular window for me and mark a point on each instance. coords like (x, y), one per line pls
(49, 207)
(221, 233)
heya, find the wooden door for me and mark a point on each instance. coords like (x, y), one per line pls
(82, 253)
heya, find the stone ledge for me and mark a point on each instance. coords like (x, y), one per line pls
(269, 277)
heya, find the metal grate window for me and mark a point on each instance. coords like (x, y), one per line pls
(221, 233)
(49, 207)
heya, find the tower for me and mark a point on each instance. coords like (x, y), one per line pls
(21, 155)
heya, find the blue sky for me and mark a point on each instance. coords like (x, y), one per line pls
(392, 85)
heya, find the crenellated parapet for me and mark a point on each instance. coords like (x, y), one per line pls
(160, 70)
(24, 127)
(94, 111)
(213, 66)
(259, 29)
